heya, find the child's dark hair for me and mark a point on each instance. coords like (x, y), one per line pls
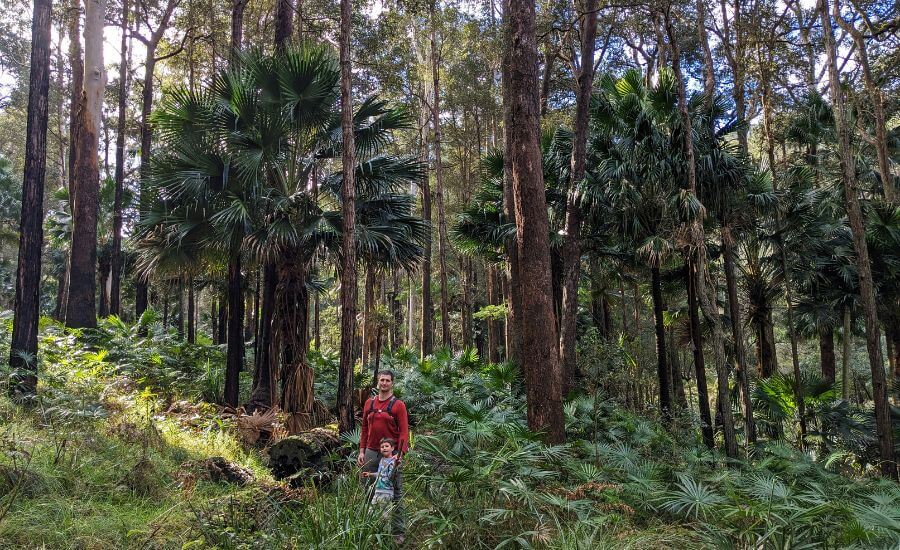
(389, 440)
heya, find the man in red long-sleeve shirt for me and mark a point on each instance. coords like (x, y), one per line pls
(385, 416)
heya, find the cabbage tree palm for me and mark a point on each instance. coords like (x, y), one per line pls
(632, 176)
(235, 182)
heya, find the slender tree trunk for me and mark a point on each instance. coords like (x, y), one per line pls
(77, 64)
(571, 254)
(427, 339)
(368, 336)
(549, 62)
(543, 376)
(845, 357)
(116, 261)
(737, 332)
(223, 320)
(262, 396)
(439, 184)
(81, 307)
(493, 326)
(864, 267)
(234, 361)
(103, 274)
(348, 227)
(24, 347)
(827, 357)
(191, 308)
(699, 361)
(140, 284)
(663, 372)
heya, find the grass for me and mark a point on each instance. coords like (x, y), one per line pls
(106, 458)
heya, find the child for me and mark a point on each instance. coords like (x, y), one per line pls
(384, 477)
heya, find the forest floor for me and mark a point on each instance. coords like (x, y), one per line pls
(107, 458)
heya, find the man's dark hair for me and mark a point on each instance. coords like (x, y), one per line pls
(387, 372)
(389, 440)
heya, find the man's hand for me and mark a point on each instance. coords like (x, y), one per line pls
(361, 459)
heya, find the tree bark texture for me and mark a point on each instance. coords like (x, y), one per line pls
(864, 267)
(23, 349)
(284, 22)
(446, 340)
(571, 254)
(348, 226)
(81, 306)
(540, 360)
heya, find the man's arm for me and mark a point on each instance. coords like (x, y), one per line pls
(403, 425)
(364, 427)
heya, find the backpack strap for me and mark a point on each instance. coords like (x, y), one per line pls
(387, 409)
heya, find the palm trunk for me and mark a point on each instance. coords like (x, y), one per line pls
(291, 319)
(845, 356)
(827, 357)
(348, 226)
(705, 297)
(866, 285)
(737, 332)
(24, 346)
(81, 306)
(572, 245)
(234, 362)
(663, 372)
(699, 361)
(540, 360)
(191, 310)
(263, 393)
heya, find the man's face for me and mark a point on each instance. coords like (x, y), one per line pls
(385, 383)
(387, 449)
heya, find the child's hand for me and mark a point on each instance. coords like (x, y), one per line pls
(366, 474)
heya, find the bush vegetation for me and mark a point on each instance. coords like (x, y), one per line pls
(107, 457)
